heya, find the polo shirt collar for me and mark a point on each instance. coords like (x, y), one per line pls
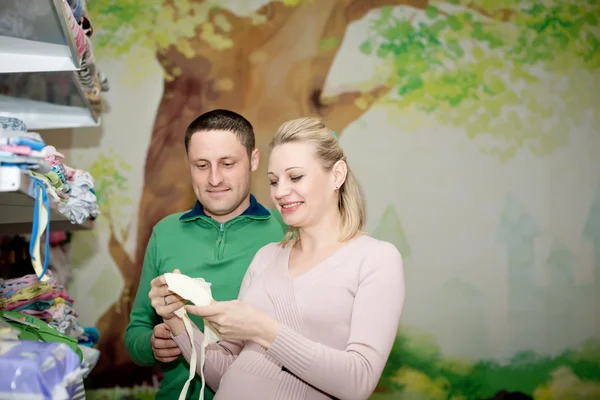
(255, 209)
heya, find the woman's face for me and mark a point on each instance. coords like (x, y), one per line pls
(300, 189)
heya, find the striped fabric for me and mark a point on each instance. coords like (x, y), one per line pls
(79, 392)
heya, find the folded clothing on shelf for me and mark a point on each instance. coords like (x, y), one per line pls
(81, 203)
(74, 25)
(52, 180)
(72, 188)
(19, 148)
(49, 302)
(76, 8)
(92, 81)
(38, 370)
(12, 124)
(36, 310)
(75, 187)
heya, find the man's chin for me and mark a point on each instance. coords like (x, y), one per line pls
(222, 204)
(217, 199)
(218, 207)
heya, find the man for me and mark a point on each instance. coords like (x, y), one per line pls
(216, 240)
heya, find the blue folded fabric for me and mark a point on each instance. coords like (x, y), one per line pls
(77, 9)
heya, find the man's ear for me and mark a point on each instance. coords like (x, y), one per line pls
(254, 160)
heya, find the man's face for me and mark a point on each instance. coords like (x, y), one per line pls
(220, 170)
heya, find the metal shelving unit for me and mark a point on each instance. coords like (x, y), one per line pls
(38, 64)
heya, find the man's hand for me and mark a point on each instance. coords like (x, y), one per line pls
(164, 348)
(164, 302)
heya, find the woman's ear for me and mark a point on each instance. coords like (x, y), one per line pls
(339, 173)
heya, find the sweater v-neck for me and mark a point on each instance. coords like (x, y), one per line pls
(322, 267)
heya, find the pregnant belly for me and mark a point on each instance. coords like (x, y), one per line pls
(239, 384)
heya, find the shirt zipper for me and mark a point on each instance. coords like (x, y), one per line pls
(220, 242)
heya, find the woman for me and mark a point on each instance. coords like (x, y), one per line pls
(317, 314)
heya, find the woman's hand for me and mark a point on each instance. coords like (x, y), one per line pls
(237, 320)
(163, 300)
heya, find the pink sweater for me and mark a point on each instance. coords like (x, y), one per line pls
(338, 323)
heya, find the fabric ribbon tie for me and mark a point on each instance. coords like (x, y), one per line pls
(196, 290)
(41, 223)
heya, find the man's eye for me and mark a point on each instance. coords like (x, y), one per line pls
(296, 178)
(201, 166)
(228, 165)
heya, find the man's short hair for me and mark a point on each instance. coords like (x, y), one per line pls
(223, 120)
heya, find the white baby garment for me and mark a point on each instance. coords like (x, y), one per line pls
(196, 290)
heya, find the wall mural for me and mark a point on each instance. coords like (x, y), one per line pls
(505, 79)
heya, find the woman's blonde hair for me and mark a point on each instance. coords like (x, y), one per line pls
(328, 151)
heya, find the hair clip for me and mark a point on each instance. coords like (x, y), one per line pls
(333, 133)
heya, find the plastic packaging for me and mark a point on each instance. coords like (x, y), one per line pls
(38, 370)
(7, 332)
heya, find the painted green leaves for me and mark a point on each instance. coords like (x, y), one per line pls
(427, 49)
(493, 67)
(122, 24)
(111, 183)
(565, 29)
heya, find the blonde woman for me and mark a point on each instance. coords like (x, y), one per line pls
(317, 314)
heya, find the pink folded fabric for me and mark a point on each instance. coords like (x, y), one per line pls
(78, 32)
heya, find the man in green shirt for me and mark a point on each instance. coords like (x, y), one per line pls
(215, 240)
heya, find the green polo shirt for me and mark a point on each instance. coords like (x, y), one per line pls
(199, 246)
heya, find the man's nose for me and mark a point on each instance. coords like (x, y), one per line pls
(216, 177)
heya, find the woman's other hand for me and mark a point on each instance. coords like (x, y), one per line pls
(237, 320)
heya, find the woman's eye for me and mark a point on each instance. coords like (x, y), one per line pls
(296, 178)
(273, 183)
